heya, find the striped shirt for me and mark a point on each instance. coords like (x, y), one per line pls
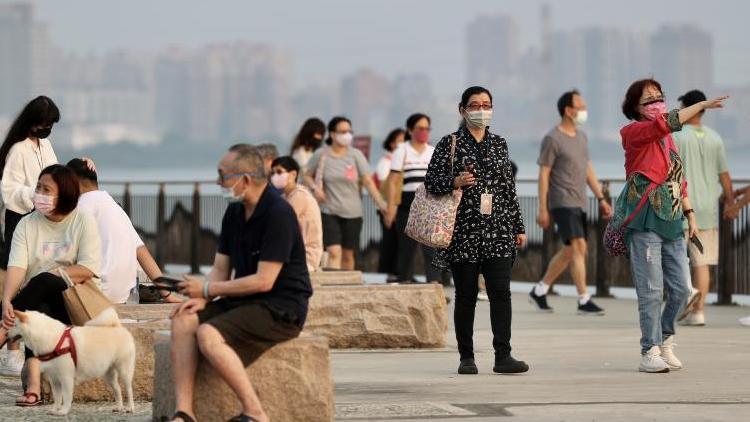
(414, 166)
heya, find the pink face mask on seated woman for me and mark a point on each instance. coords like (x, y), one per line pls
(45, 204)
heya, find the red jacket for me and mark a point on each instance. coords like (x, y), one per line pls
(644, 153)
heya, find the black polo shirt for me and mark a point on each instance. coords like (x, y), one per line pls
(271, 234)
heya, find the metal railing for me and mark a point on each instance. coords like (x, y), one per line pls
(183, 228)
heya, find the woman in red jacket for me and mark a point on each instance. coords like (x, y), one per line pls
(655, 239)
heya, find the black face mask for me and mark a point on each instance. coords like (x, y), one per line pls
(41, 133)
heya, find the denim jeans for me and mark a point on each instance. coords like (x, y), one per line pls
(496, 273)
(657, 263)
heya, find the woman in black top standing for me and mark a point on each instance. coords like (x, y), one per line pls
(489, 227)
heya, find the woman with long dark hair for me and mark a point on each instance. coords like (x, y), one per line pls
(308, 139)
(25, 152)
(488, 228)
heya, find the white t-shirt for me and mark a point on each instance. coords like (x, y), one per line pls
(415, 165)
(119, 242)
(40, 245)
(21, 173)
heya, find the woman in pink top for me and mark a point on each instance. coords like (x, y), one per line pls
(284, 173)
(655, 198)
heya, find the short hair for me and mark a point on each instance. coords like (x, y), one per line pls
(332, 127)
(68, 191)
(268, 151)
(566, 100)
(82, 170)
(249, 157)
(413, 120)
(392, 135)
(692, 97)
(470, 92)
(287, 163)
(633, 97)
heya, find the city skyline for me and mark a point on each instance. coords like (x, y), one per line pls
(254, 90)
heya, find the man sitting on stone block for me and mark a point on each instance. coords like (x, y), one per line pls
(231, 322)
(122, 249)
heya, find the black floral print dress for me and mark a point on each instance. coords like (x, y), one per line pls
(477, 236)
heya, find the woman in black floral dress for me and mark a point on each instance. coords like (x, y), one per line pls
(489, 227)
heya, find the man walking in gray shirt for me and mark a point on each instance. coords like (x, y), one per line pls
(564, 171)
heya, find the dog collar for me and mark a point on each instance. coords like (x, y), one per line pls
(60, 350)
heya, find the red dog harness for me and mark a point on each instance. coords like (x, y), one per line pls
(60, 350)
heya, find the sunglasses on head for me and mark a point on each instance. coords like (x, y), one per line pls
(653, 101)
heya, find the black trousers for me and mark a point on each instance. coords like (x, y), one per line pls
(407, 249)
(496, 273)
(43, 293)
(11, 221)
(387, 251)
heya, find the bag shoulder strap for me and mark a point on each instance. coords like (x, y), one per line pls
(453, 151)
(641, 203)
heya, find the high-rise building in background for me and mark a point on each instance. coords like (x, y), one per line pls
(493, 49)
(682, 59)
(366, 99)
(25, 52)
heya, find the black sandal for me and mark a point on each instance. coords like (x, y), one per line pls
(182, 415)
(243, 418)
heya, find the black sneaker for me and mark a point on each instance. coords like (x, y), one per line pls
(509, 365)
(539, 301)
(590, 308)
(468, 367)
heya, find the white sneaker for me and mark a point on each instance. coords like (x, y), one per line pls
(693, 299)
(483, 296)
(11, 363)
(652, 362)
(694, 319)
(668, 356)
(745, 321)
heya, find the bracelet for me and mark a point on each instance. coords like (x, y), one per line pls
(688, 212)
(205, 289)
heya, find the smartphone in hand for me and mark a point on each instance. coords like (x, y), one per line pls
(167, 283)
(697, 242)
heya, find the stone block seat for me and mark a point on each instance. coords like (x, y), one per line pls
(292, 379)
(336, 278)
(380, 316)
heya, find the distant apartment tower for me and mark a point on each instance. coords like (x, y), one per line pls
(682, 58)
(366, 98)
(24, 49)
(493, 48)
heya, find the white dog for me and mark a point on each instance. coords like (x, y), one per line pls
(100, 349)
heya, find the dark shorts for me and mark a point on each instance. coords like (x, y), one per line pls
(248, 328)
(341, 231)
(570, 222)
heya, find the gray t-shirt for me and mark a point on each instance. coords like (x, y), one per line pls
(569, 159)
(341, 176)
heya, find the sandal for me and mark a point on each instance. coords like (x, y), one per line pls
(243, 418)
(26, 403)
(182, 415)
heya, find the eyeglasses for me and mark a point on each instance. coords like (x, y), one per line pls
(224, 177)
(652, 101)
(422, 129)
(477, 107)
(279, 171)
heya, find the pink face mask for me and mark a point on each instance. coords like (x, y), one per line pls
(422, 136)
(652, 110)
(45, 204)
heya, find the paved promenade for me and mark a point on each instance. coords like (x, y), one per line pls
(582, 369)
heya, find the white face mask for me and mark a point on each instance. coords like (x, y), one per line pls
(344, 139)
(279, 181)
(45, 204)
(581, 117)
(229, 195)
(479, 119)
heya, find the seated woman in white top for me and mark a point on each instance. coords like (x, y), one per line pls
(284, 175)
(52, 239)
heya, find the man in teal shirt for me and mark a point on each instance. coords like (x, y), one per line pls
(702, 152)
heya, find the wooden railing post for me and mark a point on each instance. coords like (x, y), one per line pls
(161, 236)
(601, 272)
(195, 230)
(727, 275)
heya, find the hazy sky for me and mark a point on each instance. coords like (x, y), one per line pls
(328, 38)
